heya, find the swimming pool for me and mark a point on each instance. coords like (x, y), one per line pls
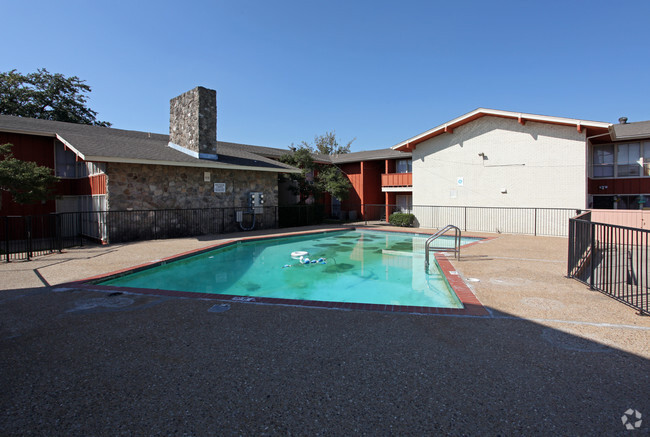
(358, 266)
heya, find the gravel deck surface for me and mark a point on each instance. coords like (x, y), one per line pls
(553, 357)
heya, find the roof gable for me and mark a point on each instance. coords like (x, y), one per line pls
(522, 118)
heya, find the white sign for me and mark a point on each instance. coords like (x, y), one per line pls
(206, 176)
(460, 181)
(219, 187)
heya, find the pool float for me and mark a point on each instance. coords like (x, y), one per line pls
(299, 254)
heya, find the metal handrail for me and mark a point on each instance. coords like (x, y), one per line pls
(431, 239)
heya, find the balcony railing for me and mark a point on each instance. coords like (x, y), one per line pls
(397, 180)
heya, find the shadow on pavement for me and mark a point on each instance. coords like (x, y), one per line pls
(86, 363)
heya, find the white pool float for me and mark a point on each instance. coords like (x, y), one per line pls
(299, 253)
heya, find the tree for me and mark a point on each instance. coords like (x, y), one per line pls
(27, 181)
(46, 96)
(314, 178)
(327, 144)
(302, 182)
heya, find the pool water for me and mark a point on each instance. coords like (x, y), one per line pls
(371, 267)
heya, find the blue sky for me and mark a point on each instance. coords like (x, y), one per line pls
(376, 71)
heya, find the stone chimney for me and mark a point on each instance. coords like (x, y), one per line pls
(193, 123)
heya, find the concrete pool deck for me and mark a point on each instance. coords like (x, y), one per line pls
(552, 356)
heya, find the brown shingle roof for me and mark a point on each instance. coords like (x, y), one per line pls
(630, 131)
(369, 155)
(103, 144)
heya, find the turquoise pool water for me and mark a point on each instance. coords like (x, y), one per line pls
(358, 266)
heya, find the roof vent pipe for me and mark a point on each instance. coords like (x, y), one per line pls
(622, 120)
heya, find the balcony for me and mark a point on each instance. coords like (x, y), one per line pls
(397, 180)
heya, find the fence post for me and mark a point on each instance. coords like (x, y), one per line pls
(79, 226)
(535, 230)
(57, 234)
(155, 215)
(592, 249)
(465, 214)
(7, 238)
(28, 231)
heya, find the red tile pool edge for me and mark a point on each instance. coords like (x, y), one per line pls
(472, 306)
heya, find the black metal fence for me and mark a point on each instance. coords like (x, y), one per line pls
(27, 236)
(611, 259)
(24, 237)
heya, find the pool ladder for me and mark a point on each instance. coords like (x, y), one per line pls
(428, 248)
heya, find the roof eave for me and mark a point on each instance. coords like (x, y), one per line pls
(207, 164)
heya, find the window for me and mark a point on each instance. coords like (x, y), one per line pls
(620, 201)
(646, 158)
(628, 160)
(604, 161)
(67, 165)
(66, 162)
(404, 202)
(404, 166)
(621, 160)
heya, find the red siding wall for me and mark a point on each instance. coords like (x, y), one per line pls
(397, 180)
(353, 172)
(28, 148)
(41, 151)
(372, 193)
(620, 186)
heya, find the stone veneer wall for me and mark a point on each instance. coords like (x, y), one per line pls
(193, 120)
(138, 186)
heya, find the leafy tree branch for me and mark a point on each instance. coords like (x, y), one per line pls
(46, 96)
(26, 181)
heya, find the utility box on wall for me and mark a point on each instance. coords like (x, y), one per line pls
(256, 201)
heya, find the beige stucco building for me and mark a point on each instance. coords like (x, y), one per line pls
(492, 158)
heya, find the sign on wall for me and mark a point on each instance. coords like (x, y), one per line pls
(219, 187)
(460, 181)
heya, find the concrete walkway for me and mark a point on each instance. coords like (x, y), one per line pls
(553, 357)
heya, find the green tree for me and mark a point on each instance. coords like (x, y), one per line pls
(302, 182)
(27, 182)
(327, 144)
(332, 180)
(316, 178)
(46, 96)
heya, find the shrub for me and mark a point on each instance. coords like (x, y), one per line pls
(401, 219)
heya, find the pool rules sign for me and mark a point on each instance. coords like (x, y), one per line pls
(219, 187)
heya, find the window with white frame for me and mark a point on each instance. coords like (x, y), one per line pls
(621, 160)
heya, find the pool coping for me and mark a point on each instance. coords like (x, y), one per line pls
(471, 305)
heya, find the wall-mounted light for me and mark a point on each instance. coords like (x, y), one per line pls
(482, 155)
(504, 191)
(602, 187)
